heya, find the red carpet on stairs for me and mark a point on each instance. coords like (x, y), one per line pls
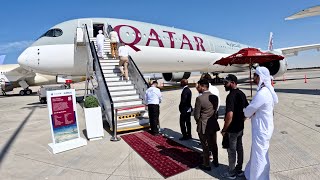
(165, 155)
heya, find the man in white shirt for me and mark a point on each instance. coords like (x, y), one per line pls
(153, 98)
(114, 40)
(100, 43)
(124, 60)
(214, 90)
(260, 111)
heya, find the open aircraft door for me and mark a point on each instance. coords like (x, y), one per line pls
(88, 22)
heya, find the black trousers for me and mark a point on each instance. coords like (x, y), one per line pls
(209, 143)
(154, 111)
(185, 124)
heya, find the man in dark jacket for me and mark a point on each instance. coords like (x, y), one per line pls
(207, 124)
(233, 125)
(185, 109)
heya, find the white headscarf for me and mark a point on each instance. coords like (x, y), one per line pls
(265, 80)
(100, 31)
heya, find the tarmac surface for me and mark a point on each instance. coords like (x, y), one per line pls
(294, 148)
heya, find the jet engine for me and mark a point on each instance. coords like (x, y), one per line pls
(176, 77)
(276, 68)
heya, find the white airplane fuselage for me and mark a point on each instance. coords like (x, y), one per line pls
(154, 48)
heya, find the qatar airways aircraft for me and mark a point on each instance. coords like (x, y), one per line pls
(155, 49)
(13, 76)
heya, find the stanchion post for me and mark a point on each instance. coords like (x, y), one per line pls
(305, 78)
(114, 137)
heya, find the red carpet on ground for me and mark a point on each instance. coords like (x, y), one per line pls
(165, 155)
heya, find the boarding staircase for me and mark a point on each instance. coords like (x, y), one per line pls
(125, 109)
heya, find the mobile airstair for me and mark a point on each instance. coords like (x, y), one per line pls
(122, 101)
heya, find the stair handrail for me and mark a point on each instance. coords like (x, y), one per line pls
(102, 90)
(137, 77)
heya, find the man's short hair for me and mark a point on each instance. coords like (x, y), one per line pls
(204, 82)
(206, 76)
(184, 81)
(231, 78)
(154, 82)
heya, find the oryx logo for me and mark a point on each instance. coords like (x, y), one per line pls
(233, 44)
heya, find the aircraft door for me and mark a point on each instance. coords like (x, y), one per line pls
(82, 22)
(212, 48)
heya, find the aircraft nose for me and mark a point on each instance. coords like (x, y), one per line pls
(23, 58)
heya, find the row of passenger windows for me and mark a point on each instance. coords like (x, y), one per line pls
(53, 33)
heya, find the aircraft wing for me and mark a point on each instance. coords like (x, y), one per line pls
(15, 72)
(293, 51)
(313, 11)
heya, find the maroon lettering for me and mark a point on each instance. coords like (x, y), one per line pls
(185, 40)
(154, 33)
(171, 38)
(136, 40)
(199, 44)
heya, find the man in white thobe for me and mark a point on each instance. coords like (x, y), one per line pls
(100, 43)
(260, 110)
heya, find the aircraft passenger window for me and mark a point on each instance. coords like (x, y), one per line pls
(133, 34)
(139, 35)
(127, 34)
(144, 35)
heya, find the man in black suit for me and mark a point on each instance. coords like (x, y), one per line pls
(185, 109)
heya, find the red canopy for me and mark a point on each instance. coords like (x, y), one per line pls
(249, 56)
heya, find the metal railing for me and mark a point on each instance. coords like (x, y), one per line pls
(102, 89)
(138, 80)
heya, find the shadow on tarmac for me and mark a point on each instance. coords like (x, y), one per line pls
(295, 91)
(14, 95)
(195, 145)
(8, 144)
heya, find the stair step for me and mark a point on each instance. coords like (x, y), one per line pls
(109, 64)
(127, 103)
(111, 79)
(107, 71)
(121, 88)
(125, 98)
(109, 61)
(122, 93)
(109, 67)
(119, 83)
(109, 75)
(132, 110)
(132, 124)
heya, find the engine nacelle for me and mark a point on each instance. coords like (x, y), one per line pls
(176, 77)
(276, 68)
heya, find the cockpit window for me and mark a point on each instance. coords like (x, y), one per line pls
(53, 33)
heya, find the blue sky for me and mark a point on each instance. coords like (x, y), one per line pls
(248, 22)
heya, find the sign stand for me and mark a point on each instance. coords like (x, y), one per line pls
(63, 121)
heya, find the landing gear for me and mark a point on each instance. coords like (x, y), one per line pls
(25, 92)
(217, 79)
(43, 100)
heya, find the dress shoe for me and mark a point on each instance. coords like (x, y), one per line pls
(203, 167)
(183, 138)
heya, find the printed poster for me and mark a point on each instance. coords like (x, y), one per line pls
(63, 116)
